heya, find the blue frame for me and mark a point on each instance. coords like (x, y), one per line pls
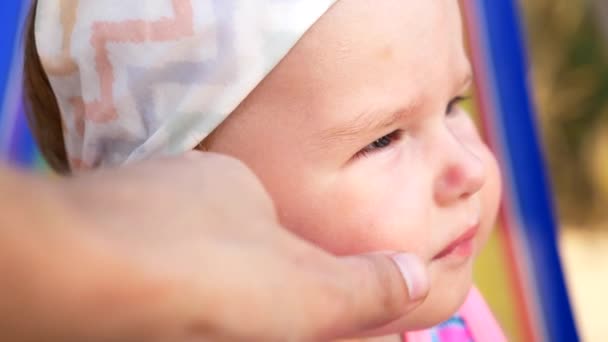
(10, 22)
(16, 143)
(525, 172)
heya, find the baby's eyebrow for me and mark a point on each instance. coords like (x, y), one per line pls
(372, 120)
(378, 119)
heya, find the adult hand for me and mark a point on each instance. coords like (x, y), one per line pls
(180, 249)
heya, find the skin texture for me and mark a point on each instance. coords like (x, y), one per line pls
(365, 61)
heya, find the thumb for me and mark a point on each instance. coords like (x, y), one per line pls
(385, 287)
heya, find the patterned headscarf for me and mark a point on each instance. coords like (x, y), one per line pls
(141, 78)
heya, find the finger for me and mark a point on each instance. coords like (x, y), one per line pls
(380, 289)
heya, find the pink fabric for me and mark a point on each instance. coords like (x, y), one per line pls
(454, 334)
(479, 320)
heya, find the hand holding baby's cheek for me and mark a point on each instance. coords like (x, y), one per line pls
(203, 229)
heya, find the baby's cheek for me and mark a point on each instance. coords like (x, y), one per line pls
(383, 217)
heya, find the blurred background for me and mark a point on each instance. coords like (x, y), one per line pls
(567, 42)
(568, 51)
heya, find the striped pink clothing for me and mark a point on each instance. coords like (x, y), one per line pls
(479, 325)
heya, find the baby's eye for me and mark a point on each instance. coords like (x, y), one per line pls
(380, 144)
(454, 102)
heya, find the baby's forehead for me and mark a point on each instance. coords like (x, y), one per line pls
(384, 29)
(413, 40)
(406, 54)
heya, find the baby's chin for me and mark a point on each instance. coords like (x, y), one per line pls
(447, 295)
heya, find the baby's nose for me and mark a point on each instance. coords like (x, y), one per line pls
(461, 175)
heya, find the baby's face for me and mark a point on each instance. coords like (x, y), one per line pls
(359, 138)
